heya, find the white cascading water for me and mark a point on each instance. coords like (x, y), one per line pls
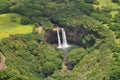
(59, 41)
(64, 44)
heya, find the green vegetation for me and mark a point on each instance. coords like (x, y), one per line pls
(94, 25)
(10, 24)
(27, 58)
(107, 3)
(116, 1)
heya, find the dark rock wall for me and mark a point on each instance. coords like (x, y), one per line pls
(74, 36)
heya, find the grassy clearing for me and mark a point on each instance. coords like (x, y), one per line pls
(107, 3)
(10, 24)
(118, 41)
(113, 13)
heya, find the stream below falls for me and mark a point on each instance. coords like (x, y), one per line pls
(66, 64)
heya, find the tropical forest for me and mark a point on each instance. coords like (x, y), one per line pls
(59, 39)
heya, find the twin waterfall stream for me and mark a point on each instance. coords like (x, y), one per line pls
(65, 47)
(63, 44)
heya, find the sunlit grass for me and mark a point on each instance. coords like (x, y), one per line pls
(107, 3)
(10, 24)
(118, 41)
(113, 13)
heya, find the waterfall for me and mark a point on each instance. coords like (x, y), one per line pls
(59, 41)
(64, 44)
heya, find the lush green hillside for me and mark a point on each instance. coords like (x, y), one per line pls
(110, 10)
(10, 24)
(94, 25)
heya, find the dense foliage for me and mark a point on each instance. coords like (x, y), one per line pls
(27, 57)
(97, 30)
(116, 1)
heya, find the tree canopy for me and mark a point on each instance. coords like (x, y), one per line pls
(96, 30)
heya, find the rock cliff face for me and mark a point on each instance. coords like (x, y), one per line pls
(74, 36)
(39, 29)
(2, 63)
